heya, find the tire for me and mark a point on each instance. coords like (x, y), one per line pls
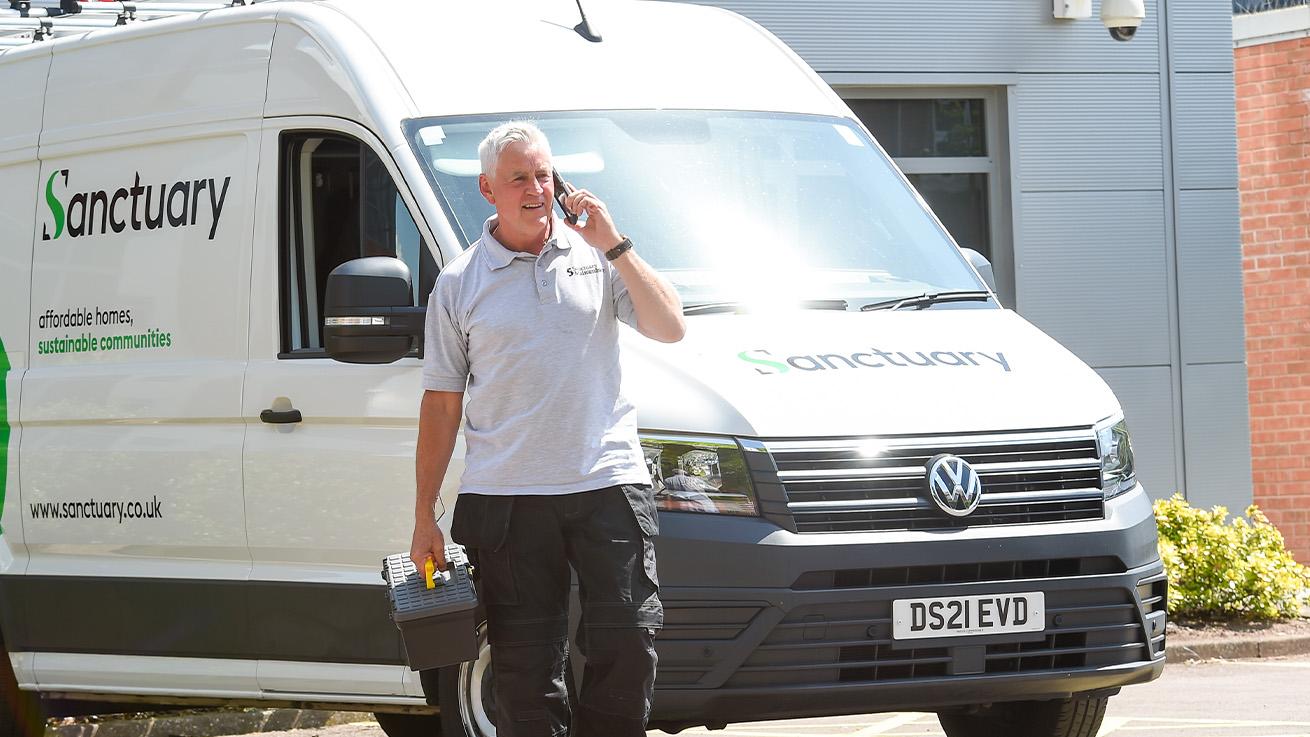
(409, 725)
(21, 712)
(1080, 716)
(468, 703)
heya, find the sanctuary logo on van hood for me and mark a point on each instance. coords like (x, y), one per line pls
(767, 364)
(178, 204)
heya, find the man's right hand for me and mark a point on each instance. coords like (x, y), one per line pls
(428, 543)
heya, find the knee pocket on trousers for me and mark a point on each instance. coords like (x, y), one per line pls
(622, 645)
(531, 658)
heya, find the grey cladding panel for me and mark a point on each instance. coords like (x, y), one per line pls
(1090, 271)
(1205, 130)
(1147, 398)
(948, 36)
(1089, 131)
(1217, 435)
(1200, 35)
(1210, 276)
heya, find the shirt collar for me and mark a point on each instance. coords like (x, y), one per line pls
(497, 256)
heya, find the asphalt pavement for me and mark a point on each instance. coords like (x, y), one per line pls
(1264, 697)
(1267, 697)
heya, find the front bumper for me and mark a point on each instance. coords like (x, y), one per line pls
(807, 632)
(683, 708)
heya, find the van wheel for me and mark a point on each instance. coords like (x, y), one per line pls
(1077, 717)
(409, 725)
(468, 702)
(21, 712)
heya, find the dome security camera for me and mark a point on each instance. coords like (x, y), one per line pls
(1123, 17)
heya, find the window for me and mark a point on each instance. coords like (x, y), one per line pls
(731, 206)
(339, 203)
(949, 144)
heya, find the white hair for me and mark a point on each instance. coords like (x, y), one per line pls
(515, 131)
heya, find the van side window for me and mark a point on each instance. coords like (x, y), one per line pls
(338, 203)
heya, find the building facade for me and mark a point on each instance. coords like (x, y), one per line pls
(1100, 178)
(1273, 106)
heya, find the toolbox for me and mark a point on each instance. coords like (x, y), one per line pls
(437, 623)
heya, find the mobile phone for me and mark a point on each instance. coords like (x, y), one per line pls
(561, 189)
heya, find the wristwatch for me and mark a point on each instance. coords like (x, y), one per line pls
(624, 246)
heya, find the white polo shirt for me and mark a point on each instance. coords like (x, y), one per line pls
(533, 342)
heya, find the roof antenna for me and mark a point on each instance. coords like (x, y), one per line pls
(584, 28)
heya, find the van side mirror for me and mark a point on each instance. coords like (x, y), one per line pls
(368, 311)
(982, 265)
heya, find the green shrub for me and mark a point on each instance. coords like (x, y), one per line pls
(1221, 569)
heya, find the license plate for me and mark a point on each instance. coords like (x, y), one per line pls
(956, 616)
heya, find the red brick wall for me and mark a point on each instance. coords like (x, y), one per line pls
(1273, 139)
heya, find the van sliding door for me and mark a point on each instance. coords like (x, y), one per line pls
(131, 466)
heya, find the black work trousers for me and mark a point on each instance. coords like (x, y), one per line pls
(522, 548)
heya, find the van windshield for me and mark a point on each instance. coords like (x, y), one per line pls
(741, 207)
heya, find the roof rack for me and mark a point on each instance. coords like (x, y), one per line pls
(28, 21)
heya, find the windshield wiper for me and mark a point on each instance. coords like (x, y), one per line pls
(926, 299)
(705, 308)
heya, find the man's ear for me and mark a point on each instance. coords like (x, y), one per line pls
(484, 186)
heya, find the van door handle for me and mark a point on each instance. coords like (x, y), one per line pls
(280, 417)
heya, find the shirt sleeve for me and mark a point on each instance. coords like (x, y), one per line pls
(445, 347)
(623, 308)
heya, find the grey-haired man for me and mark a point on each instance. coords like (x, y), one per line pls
(522, 339)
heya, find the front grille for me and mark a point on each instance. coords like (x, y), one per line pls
(864, 484)
(860, 578)
(826, 645)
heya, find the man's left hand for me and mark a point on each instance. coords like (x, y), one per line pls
(598, 231)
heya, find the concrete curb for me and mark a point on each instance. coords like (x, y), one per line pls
(1267, 647)
(210, 724)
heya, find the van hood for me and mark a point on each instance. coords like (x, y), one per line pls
(820, 374)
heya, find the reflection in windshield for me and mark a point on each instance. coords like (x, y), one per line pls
(753, 208)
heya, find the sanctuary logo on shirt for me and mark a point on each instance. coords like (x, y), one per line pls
(583, 270)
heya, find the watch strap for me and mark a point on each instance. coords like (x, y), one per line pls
(624, 246)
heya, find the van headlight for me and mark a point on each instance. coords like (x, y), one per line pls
(699, 474)
(1116, 448)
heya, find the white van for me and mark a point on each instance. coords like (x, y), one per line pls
(891, 492)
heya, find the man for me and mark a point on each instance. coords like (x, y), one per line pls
(525, 322)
